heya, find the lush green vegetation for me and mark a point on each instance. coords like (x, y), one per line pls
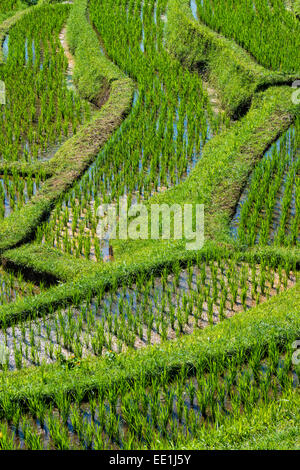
(73, 156)
(220, 351)
(275, 219)
(148, 312)
(93, 73)
(161, 414)
(14, 287)
(37, 117)
(228, 67)
(269, 32)
(72, 226)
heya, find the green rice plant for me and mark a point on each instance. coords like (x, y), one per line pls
(31, 439)
(268, 211)
(131, 317)
(163, 122)
(58, 434)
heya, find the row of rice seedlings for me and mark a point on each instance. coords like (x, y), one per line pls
(260, 27)
(157, 412)
(151, 311)
(16, 191)
(40, 111)
(159, 143)
(8, 6)
(193, 5)
(295, 6)
(269, 208)
(14, 287)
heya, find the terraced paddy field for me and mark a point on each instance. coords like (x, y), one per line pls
(182, 335)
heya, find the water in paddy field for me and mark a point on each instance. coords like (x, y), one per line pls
(116, 134)
(5, 48)
(272, 153)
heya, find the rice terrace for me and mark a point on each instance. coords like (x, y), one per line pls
(149, 226)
